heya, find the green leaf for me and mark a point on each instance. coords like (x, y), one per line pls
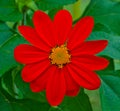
(113, 48)
(78, 103)
(9, 11)
(24, 89)
(7, 103)
(110, 90)
(50, 4)
(94, 97)
(106, 12)
(5, 32)
(117, 64)
(77, 9)
(8, 41)
(7, 82)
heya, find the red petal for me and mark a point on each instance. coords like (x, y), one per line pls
(32, 71)
(90, 62)
(84, 77)
(90, 47)
(70, 82)
(30, 34)
(39, 84)
(80, 32)
(28, 54)
(73, 92)
(44, 27)
(56, 88)
(63, 25)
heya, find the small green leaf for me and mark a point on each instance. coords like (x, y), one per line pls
(110, 90)
(77, 9)
(7, 82)
(9, 11)
(94, 97)
(117, 64)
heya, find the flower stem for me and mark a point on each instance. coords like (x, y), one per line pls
(55, 108)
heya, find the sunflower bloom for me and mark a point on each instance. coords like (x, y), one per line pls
(58, 59)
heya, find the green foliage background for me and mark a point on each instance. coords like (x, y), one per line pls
(15, 95)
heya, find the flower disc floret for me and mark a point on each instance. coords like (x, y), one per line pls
(60, 56)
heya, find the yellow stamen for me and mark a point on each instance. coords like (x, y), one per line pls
(60, 56)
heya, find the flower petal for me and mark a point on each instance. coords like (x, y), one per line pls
(44, 27)
(91, 62)
(70, 82)
(30, 35)
(32, 71)
(29, 54)
(56, 88)
(80, 32)
(90, 47)
(63, 25)
(84, 77)
(39, 83)
(73, 92)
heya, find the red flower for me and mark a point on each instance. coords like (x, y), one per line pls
(58, 59)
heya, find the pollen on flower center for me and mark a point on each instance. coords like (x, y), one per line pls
(60, 56)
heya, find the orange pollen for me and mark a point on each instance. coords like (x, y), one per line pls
(60, 56)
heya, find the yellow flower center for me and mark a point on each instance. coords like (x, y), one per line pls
(60, 56)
